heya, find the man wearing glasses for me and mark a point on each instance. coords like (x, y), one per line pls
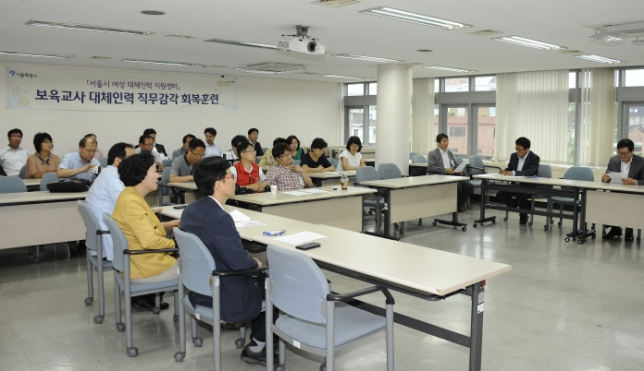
(181, 171)
(285, 175)
(632, 167)
(522, 163)
(81, 164)
(147, 144)
(246, 172)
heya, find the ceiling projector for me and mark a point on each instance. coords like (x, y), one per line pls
(300, 42)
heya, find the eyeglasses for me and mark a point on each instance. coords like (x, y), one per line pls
(47, 141)
(623, 154)
(249, 151)
(198, 155)
(228, 176)
(284, 155)
(147, 144)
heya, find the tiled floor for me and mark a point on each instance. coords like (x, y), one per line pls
(562, 307)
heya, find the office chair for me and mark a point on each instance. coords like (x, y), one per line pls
(311, 316)
(12, 184)
(334, 162)
(46, 179)
(164, 189)
(411, 156)
(123, 285)
(545, 171)
(198, 273)
(93, 241)
(389, 171)
(166, 163)
(364, 174)
(574, 173)
(23, 172)
(102, 161)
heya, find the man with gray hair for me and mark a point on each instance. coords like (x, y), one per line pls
(81, 164)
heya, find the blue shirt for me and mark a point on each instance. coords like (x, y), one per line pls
(212, 150)
(101, 199)
(73, 161)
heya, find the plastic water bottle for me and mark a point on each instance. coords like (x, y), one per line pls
(344, 180)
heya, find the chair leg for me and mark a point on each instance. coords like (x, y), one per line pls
(216, 328)
(330, 335)
(532, 215)
(194, 331)
(101, 292)
(90, 282)
(181, 354)
(175, 318)
(37, 258)
(560, 215)
(269, 331)
(390, 337)
(117, 304)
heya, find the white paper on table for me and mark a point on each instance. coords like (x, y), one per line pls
(313, 190)
(238, 216)
(617, 176)
(299, 238)
(460, 167)
(249, 223)
(295, 193)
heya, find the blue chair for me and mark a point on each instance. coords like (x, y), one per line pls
(198, 273)
(164, 189)
(574, 173)
(93, 241)
(12, 184)
(102, 161)
(334, 162)
(411, 156)
(418, 159)
(364, 174)
(46, 179)
(389, 171)
(23, 172)
(545, 171)
(297, 162)
(123, 285)
(311, 316)
(166, 163)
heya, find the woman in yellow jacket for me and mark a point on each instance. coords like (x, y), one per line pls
(140, 225)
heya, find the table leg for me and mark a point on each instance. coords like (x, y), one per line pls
(482, 219)
(476, 332)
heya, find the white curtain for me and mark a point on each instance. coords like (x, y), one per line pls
(422, 113)
(597, 116)
(533, 105)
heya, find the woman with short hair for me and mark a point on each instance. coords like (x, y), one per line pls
(42, 161)
(351, 158)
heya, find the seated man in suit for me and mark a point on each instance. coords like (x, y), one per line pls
(632, 166)
(441, 161)
(522, 163)
(241, 296)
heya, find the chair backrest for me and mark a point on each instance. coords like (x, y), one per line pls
(297, 162)
(166, 163)
(475, 161)
(411, 156)
(580, 173)
(264, 149)
(197, 263)
(366, 173)
(334, 162)
(91, 225)
(389, 170)
(23, 172)
(299, 287)
(545, 171)
(458, 160)
(12, 184)
(102, 161)
(418, 159)
(119, 241)
(46, 179)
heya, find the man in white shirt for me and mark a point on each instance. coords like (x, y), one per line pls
(211, 148)
(13, 157)
(441, 161)
(146, 143)
(106, 189)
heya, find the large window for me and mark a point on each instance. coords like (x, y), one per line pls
(457, 84)
(485, 127)
(373, 88)
(485, 83)
(635, 112)
(355, 89)
(633, 78)
(356, 123)
(457, 129)
(372, 125)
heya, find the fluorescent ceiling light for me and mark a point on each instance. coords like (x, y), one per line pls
(367, 58)
(246, 43)
(599, 59)
(85, 27)
(343, 77)
(528, 42)
(165, 63)
(425, 20)
(255, 71)
(451, 69)
(36, 55)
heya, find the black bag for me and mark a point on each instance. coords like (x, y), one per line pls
(69, 185)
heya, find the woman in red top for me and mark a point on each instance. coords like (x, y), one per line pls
(246, 172)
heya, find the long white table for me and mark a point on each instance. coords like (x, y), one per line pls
(416, 197)
(39, 218)
(417, 271)
(616, 204)
(331, 178)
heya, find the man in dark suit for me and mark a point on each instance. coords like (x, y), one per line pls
(441, 161)
(241, 296)
(632, 166)
(522, 163)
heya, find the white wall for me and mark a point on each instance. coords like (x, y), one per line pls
(277, 107)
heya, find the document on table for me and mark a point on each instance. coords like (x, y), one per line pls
(295, 193)
(617, 176)
(243, 221)
(299, 238)
(313, 190)
(460, 167)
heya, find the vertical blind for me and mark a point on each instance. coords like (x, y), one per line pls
(422, 130)
(597, 116)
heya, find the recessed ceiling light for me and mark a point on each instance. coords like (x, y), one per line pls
(181, 36)
(425, 20)
(255, 71)
(487, 32)
(517, 40)
(451, 69)
(367, 58)
(85, 27)
(343, 77)
(599, 59)
(273, 68)
(166, 63)
(424, 50)
(152, 12)
(246, 43)
(37, 55)
(335, 3)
